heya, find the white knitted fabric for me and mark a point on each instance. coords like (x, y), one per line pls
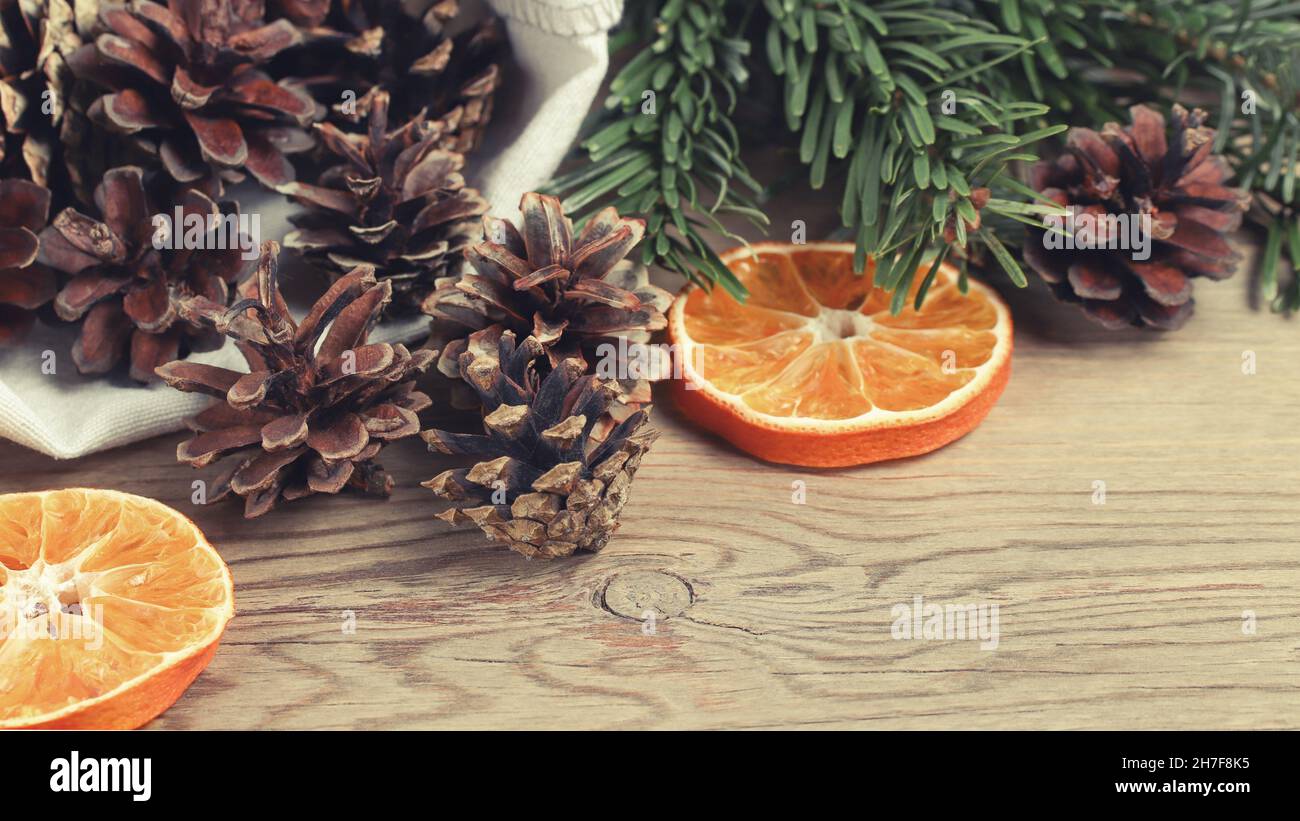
(559, 51)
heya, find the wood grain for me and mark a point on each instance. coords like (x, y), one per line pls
(769, 613)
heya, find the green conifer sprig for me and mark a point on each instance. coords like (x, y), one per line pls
(667, 149)
(887, 98)
(867, 92)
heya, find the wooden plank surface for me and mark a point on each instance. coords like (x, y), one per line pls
(770, 613)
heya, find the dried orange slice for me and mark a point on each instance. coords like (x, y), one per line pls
(110, 606)
(814, 370)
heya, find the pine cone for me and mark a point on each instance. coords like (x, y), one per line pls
(188, 89)
(25, 284)
(398, 203)
(1177, 181)
(35, 40)
(358, 48)
(124, 289)
(318, 404)
(571, 294)
(546, 487)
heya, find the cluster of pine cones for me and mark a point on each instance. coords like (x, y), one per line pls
(521, 328)
(115, 112)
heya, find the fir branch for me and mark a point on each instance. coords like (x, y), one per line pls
(902, 104)
(667, 149)
(918, 110)
(902, 101)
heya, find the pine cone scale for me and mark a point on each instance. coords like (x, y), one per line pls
(130, 54)
(105, 332)
(221, 140)
(547, 234)
(149, 306)
(1165, 284)
(265, 42)
(201, 378)
(353, 322)
(1092, 281)
(259, 474)
(338, 439)
(151, 349)
(285, 433)
(26, 282)
(208, 446)
(324, 477)
(19, 247)
(28, 287)
(390, 422)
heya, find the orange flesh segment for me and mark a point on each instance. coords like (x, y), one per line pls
(901, 380)
(831, 280)
(742, 367)
(773, 282)
(821, 383)
(816, 340)
(718, 319)
(97, 589)
(945, 307)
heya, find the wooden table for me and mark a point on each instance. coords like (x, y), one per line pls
(767, 613)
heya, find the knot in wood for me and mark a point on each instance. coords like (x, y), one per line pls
(634, 594)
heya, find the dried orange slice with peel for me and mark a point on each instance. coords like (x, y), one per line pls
(110, 606)
(814, 370)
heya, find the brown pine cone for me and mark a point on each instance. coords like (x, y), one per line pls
(25, 284)
(398, 202)
(1171, 176)
(571, 294)
(318, 403)
(358, 48)
(123, 290)
(545, 485)
(35, 41)
(187, 87)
